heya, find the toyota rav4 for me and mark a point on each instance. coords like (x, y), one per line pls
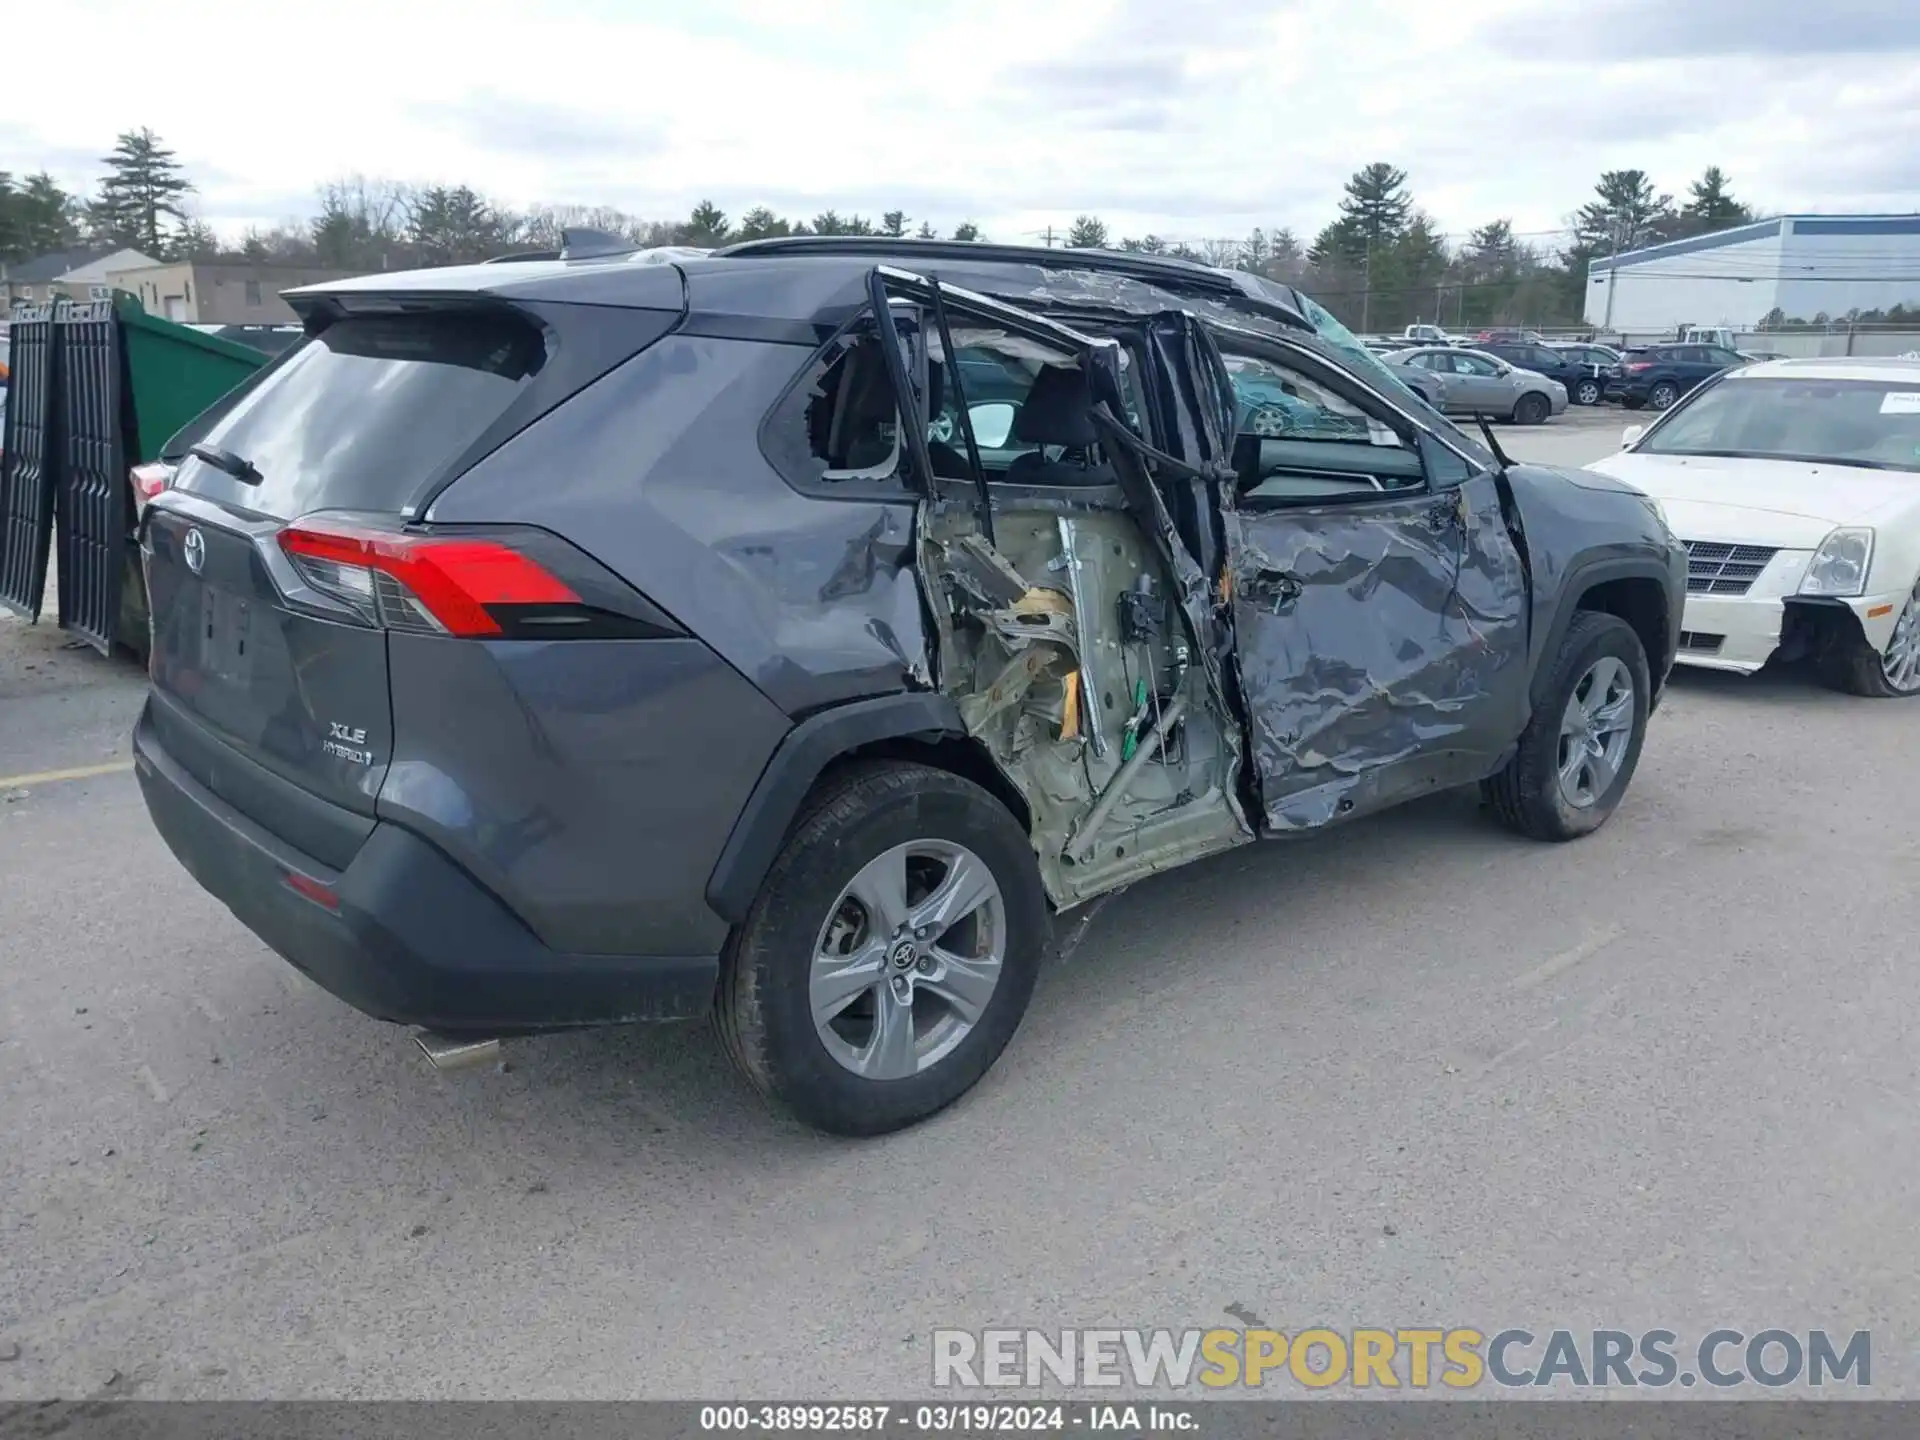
(810, 633)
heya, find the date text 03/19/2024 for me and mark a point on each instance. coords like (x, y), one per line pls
(941, 1419)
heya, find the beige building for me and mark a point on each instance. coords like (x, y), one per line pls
(66, 275)
(220, 292)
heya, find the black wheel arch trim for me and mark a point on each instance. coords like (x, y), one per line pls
(812, 745)
(1581, 578)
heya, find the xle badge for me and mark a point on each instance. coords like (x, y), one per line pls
(347, 743)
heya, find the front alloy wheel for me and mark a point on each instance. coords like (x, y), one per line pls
(1595, 729)
(1578, 753)
(1587, 392)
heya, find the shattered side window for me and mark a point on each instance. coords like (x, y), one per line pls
(840, 422)
(1276, 402)
(1368, 364)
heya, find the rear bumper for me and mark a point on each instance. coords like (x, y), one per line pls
(409, 936)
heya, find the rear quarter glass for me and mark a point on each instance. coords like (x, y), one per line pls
(367, 411)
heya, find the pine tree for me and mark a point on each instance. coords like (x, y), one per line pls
(894, 223)
(1626, 214)
(759, 223)
(1089, 232)
(196, 241)
(1710, 205)
(706, 226)
(454, 226)
(966, 230)
(1376, 207)
(143, 191)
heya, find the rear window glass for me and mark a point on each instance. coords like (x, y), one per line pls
(368, 410)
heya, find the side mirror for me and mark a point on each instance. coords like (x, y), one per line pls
(992, 423)
(1631, 434)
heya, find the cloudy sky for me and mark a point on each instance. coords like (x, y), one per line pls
(1189, 118)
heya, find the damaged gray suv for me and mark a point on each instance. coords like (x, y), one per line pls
(809, 633)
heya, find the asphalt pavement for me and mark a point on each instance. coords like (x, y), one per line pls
(1419, 1072)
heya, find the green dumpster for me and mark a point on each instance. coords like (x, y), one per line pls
(173, 372)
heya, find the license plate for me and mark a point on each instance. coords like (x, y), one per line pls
(225, 652)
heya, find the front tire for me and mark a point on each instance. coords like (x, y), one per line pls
(1579, 751)
(890, 954)
(1890, 674)
(1587, 392)
(1532, 409)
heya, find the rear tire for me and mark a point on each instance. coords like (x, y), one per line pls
(1891, 674)
(1599, 655)
(1531, 409)
(133, 628)
(1663, 395)
(812, 926)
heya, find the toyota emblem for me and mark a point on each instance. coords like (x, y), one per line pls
(195, 550)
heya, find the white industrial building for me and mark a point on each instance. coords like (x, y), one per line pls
(1801, 265)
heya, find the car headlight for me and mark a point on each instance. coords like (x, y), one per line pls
(1839, 566)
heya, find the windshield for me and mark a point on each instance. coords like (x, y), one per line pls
(1371, 366)
(1870, 423)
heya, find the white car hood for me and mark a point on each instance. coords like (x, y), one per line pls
(1790, 504)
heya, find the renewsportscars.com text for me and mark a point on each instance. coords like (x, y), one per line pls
(1398, 1359)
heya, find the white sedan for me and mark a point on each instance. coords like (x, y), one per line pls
(1796, 487)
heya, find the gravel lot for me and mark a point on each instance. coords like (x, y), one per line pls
(1417, 1073)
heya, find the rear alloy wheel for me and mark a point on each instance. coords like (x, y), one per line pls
(1662, 396)
(891, 953)
(1532, 409)
(1578, 753)
(1893, 673)
(1587, 392)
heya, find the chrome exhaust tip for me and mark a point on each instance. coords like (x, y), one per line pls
(454, 1052)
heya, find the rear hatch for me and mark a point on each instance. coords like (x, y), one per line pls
(280, 557)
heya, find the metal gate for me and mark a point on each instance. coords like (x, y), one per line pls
(93, 499)
(29, 464)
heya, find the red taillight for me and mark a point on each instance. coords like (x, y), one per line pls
(420, 582)
(1634, 367)
(148, 481)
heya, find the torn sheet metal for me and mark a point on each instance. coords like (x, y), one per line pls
(1374, 643)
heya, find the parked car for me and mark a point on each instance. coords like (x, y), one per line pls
(1483, 384)
(1796, 487)
(580, 642)
(1427, 335)
(1658, 375)
(1541, 360)
(1509, 337)
(1596, 365)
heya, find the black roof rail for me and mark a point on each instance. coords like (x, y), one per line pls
(988, 252)
(1168, 272)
